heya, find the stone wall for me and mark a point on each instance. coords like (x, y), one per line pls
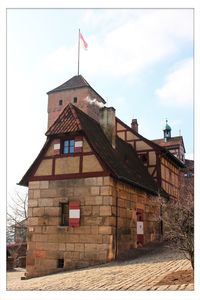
(91, 243)
(84, 97)
(130, 199)
(105, 205)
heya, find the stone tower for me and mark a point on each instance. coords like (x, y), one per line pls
(78, 92)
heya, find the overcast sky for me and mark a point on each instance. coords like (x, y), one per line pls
(139, 60)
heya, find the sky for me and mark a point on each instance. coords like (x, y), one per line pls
(139, 60)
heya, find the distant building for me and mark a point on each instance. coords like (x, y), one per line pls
(173, 144)
(95, 189)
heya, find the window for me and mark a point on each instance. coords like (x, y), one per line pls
(64, 214)
(75, 100)
(143, 157)
(140, 217)
(60, 263)
(189, 174)
(60, 102)
(68, 146)
(71, 146)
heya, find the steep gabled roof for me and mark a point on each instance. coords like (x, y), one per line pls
(122, 162)
(76, 82)
(66, 122)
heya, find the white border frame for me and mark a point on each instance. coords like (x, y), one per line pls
(4, 5)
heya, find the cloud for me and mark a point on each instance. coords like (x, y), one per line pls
(178, 87)
(60, 59)
(129, 41)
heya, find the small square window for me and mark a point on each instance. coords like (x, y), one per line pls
(75, 100)
(143, 157)
(60, 102)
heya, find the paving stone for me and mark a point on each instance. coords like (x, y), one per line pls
(140, 274)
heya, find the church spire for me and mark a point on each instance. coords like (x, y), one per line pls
(167, 131)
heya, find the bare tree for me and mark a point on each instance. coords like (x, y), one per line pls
(16, 216)
(178, 218)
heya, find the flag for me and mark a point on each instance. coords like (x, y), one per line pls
(85, 45)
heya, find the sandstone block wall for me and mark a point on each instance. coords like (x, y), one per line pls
(107, 223)
(130, 199)
(91, 243)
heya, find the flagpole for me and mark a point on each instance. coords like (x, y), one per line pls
(78, 49)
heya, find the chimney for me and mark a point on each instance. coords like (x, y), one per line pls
(107, 122)
(134, 125)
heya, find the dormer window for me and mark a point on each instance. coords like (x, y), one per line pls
(60, 102)
(73, 145)
(69, 146)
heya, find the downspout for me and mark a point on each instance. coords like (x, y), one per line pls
(116, 225)
(161, 223)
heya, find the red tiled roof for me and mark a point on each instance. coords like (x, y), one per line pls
(170, 143)
(174, 141)
(66, 122)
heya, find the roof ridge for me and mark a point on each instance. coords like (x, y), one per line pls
(60, 117)
(84, 80)
(75, 115)
(82, 112)
(68, 84)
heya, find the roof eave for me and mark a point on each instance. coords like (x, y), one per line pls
(122, 178)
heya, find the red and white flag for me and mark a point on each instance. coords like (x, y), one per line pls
(84, 43)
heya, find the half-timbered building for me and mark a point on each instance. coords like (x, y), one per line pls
(95, 188)
(161, 164)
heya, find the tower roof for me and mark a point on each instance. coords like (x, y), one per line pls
(167, 127)
(76, 82)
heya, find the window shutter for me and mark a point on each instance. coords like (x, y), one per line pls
(56, 147)
(74, 213)
(78, 147)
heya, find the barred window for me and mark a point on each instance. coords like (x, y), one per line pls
(64, 214)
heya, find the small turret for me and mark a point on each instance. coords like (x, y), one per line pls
(167, 131)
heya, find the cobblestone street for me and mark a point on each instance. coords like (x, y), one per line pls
(143, 273)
